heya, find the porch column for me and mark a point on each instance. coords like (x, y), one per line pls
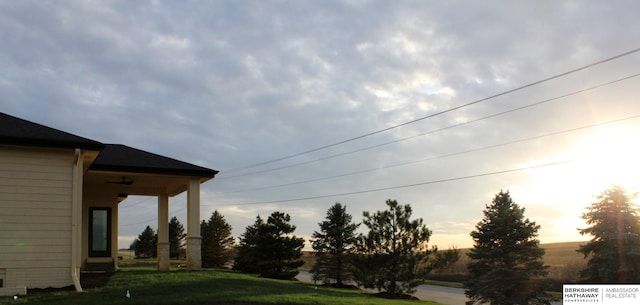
(194, 240)
(163, 233)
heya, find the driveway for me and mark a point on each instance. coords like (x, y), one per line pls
(444, 295)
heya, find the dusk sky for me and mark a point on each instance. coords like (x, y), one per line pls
(301, 104)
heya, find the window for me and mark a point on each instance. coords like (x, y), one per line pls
(100, 232)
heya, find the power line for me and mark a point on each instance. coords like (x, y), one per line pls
(423, 118)
(378, 189)
(446, 155)
(151, 219)
(434, 131)
(437, 113)
(126, 206)
(407, 163)
(402, 186)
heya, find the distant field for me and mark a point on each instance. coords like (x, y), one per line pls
(565, 262)
(562, 258)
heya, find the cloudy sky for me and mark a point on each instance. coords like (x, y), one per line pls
(262, 90)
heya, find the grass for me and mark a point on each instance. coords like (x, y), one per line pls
(148, 286)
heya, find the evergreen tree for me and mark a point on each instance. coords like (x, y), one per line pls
(506, 259)
(247, 252)
(217, 241)
(146, 243)
(176, 237)
(614, 250)
(269, 250)
(333, 245)
(134, 245)
(392, 256)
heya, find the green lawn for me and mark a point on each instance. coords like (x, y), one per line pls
(148, 286)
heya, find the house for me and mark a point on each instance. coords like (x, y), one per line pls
(59, 198)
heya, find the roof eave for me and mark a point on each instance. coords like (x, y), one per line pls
(203, 173)
(50, 144)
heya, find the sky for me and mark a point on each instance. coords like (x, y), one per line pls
(302, 104)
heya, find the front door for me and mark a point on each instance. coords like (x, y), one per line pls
(99, 232)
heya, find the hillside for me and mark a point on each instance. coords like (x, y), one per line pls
(562, 258)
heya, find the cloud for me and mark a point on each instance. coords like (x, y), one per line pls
(227, 84)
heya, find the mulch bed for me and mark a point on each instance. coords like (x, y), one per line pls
(87, 280)
(95, 279)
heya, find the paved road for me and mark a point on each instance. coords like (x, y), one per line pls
(444, 295)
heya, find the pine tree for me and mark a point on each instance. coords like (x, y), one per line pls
(146, 243)
(333, 245)
(217, 241)
(614, 250)
(247, 252)
(393, 255)
(506, 261)
(176, 237)
(269, 249)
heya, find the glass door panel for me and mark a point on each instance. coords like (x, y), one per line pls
(99, 232)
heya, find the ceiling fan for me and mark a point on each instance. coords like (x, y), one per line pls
(124, 180)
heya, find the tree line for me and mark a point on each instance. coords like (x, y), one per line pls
(392, 255)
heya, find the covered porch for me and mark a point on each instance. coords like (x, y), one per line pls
(120, 171)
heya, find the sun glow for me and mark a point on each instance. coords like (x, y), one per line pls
(611, 156)
(597, 161)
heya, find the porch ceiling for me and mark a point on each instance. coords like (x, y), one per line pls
(131, 171)
(136, 183)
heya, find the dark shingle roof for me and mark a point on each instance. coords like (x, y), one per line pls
(112, 157)
(122, 158)
(15, 131)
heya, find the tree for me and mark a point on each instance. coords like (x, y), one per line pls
(247, 252)
(506, 259)
(392, 256)
(614, 250)
(176, 237)
(269, 250)
(333, 244)
(217, 241)
(146, 243)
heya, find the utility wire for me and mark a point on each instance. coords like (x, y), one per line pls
(401, 186)
(378, 189)
(126, 206)
(445, 155)
(407, 163)
(402, 164)
(437, 113)
(151, 219)
(433, 131)
(423, 118)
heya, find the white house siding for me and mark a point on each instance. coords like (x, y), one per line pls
(35, 217)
